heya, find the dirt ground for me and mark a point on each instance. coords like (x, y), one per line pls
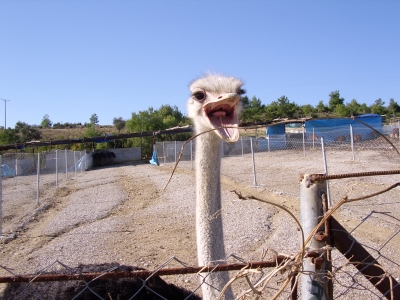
(121, 214)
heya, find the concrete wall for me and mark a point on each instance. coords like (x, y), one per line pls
(127, 154)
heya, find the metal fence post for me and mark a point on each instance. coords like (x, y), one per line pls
(38, 180)
(352, 141)
(66, 164)
(57, 168)
(85, 154)
(163, 150)
(16, 165)
(326, 171)
(304, 144)
(1, 197)
(191, 154)
(241, 141)
(313, 140)
(75, 163)
(175, 150)
(252, 158)
(268, 142)
(314, 277)
(398, 123)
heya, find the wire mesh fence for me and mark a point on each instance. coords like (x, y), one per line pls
(265, 166)
(28, 178)
(300, 141)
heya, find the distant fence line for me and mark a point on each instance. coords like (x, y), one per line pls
(168, 152)
(51, 167)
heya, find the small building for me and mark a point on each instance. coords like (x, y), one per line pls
(275, 138)
(338, 129)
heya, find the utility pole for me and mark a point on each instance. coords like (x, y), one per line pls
(5, 112)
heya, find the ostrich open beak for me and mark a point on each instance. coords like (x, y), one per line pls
(222, 113)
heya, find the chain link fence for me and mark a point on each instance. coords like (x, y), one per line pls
(270, 164)
(295, 140)
(34, 175)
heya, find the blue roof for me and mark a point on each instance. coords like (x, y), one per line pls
(368, 116)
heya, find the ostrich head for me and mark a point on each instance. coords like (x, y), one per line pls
(215, 104)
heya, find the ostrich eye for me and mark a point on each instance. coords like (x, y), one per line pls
(200, 96)
(241, 91)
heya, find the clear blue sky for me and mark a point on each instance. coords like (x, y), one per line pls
(70, 59)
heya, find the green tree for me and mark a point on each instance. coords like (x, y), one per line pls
(378, 107)
(253, 110)
(307, 110)
(353, 107)
(393, 107)
(321, 107)
(171, 116)
(94, 119)
(334, 100)
(153, 120)
(282, 108)
(26, 133)
(46, 121)
(119, 123)
(91, 127)
(341, 111)
(8, 136)
(364, 109)
(91, 131)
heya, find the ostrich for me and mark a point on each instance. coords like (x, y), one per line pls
(214, 104)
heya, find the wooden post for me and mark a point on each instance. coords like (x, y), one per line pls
(313, 278)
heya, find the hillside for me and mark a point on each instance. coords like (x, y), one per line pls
(71, 133)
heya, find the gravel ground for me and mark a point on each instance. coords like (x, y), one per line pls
(120, 214)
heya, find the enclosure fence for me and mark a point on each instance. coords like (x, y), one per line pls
(34, 174)
(301, 142)
(355, 257)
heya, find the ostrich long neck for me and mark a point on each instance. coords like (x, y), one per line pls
(210, 241)
(209, 231)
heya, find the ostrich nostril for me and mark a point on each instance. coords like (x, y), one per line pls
(219, 97)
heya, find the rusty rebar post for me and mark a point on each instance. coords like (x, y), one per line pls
(117, 274)
(328, 243)
(321, 177)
